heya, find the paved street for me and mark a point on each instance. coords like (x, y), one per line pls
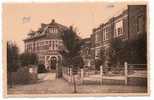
(61, 86)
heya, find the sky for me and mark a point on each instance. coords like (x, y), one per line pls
(20, 18)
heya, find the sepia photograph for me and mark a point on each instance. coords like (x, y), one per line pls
(75, 49)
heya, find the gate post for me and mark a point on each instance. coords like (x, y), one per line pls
(82, 75)
(101, 74)
(126, 72)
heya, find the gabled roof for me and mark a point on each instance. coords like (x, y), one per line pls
(42, 31)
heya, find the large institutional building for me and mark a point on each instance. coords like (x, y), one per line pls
(113, 28)
(46, 42)
(128, 26)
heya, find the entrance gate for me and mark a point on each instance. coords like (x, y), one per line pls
(52, 64)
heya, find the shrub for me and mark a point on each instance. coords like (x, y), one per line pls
(23, 76)
(41, 68)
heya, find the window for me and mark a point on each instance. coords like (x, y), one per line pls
(53, 45)
(97, 37)
(106, 34)
(53, 30)
(106, 50)
(115, 32)
(97, 53)
(119, 31)
(140, 24)
(106, 29)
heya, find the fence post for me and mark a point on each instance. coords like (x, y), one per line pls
(65, 71)
(68, 71)
(71, 74)
(62, 71)
(101, 74)
(126, 72)
(82, 75)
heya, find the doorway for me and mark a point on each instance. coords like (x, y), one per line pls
(53, 63)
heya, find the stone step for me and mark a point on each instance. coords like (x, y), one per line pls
(47, 76)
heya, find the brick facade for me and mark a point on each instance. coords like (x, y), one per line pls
(127, 26)
(46, 42)
(115, 27)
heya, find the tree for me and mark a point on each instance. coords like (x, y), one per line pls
(98, 63)
(12, 60)
(73, 45)
(119, 51)
(28, 59)
(101, 59)
(132, 50)
(102, 56)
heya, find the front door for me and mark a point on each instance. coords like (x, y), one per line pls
(53, 63)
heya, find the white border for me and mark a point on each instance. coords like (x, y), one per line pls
(151, 54)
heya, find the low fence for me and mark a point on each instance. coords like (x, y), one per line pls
(121, 73)
(114, 73)
(67, 74)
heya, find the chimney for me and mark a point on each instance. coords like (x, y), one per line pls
(94, 29)
(53, 20)
(71, 27)
(43, 25)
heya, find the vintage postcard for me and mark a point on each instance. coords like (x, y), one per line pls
(75, 49)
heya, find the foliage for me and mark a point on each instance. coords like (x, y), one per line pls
(98, 63)
(12, 61)
(119, 51)
(41, 68)
(102, 55)
(12, 57)
(73, 46)
(28, 59)
(72, 55)
(101, 60)
(132, 51)
(23, 76)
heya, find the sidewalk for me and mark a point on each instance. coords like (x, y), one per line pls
(60, 86)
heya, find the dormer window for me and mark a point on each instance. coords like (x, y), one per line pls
(53, 30)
